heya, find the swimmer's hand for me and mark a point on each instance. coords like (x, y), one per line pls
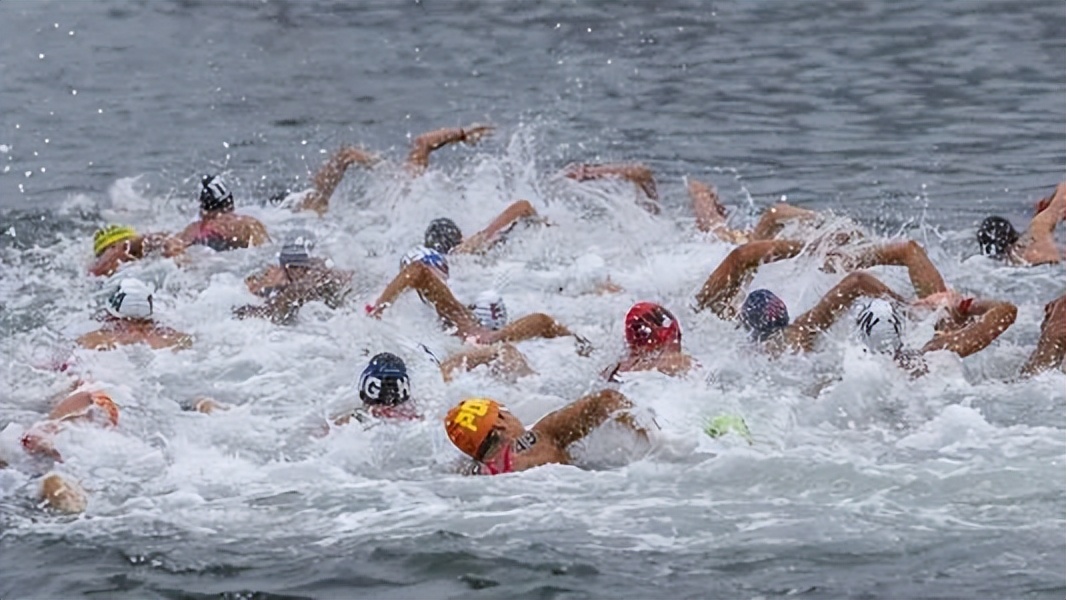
(350, 155)
(471, 135)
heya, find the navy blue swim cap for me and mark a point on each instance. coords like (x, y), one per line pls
(764, 314)
(384, 381)
(442, 235)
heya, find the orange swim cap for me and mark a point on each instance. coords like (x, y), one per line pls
(469, 423)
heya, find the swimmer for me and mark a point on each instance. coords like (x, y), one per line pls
(130, 320)
(1051, 347)
(115, 245)
(426, 271)
(503, 359)
(385, 391)
(93, 408)
(444, 236)
(297, 279)
(998, 238)
(637, 174)
(711, 216)
(969, 325)
(487, 432)
(653, 341)
(81, 408)
(219, 227)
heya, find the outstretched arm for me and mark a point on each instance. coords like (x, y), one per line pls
(710, 215)
(329, 176)
(987, 319)
(802, 333)
(536, 325)
(1051, 348)
(425, 144)
(924, 276)
(723, 285)
(1039, 246)
(503, 357)
(482, 240)
(574, 421)
(419, 277)
(638, 174)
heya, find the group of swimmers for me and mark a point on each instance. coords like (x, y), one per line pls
(482, 428)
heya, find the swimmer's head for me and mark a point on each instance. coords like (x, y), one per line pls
(649, 326)
(109, 235)
(995, 236)
(477, 426)
(764, 314)
(131, 299)
(296, 252)
(442, 235)
(880, 326)
(384, 381)
(215, 195)
(427, 256)
(490, 310)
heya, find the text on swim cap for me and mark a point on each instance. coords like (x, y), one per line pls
(469, 412)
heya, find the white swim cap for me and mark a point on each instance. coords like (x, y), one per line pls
(130, 300)
(880, 326)
(490, 310)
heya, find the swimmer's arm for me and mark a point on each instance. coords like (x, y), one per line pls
(511, 360)
(924, 276)
(112, 258)
(710, 214)
(1040, 247)
(575, 421)
(802, 334)
(774, 218)
(537, 325)
(480, 241)
(638, 174)
(736, 271)
(993, 317)
(425, 144)
(329, 176)
(1051, 347)
(419, 277)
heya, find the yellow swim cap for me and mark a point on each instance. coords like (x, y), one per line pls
(469, 423)
(109, 235)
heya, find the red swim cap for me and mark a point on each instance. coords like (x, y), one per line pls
(649, 326)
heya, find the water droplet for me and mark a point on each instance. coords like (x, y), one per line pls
(41, 56)
(588, 29)
(29, 173)
(46, 140)
(100, 111)
(73, 92)
(225, 144)
(71, 33)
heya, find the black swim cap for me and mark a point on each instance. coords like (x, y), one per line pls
(215, 195)
(442, 235)
(995, 236)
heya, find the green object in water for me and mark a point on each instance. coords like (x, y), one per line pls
(723, 424)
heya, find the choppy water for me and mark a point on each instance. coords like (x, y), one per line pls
(907, 116)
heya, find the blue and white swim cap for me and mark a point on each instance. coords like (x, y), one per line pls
(427, 256)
